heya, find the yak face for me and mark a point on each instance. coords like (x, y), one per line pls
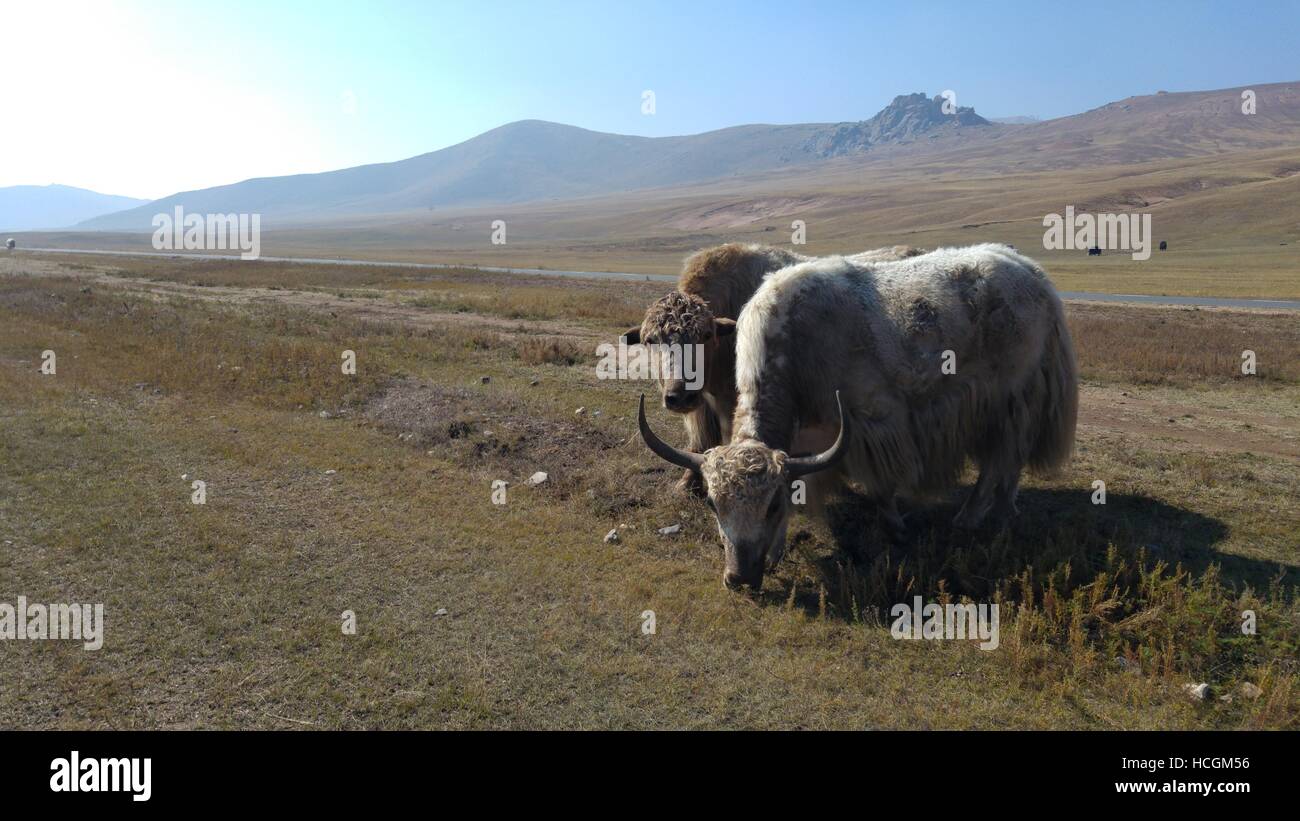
(683, 335)
(749, 492)
(748, 485)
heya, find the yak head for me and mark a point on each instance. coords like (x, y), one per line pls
(680, 325)
(748, 485)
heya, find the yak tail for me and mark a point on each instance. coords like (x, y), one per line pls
(1059, 410)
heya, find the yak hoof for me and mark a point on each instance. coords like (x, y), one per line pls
(967, 520)
(895, 529)
(1003, 514)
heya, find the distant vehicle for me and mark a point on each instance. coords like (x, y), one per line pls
(1164, 246)
(10, 244)
(1094, 251)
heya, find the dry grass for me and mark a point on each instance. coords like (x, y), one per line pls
(280, 360)
(1130, 343)
(467, 290)
(1183, 345)
(227, 615)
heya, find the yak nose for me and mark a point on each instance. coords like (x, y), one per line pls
(734, 581)
(674, 399)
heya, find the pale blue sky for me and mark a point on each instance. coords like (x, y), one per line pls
(147, 98)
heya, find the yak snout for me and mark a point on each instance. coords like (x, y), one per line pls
(680, 399)
(734, 580)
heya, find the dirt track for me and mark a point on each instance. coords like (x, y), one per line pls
(726, 215)
(324, 301)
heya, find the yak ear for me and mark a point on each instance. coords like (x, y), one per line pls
(723, 326)
(633, 335)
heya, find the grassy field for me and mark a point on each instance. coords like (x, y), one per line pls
(1229, 220)
(372, 493)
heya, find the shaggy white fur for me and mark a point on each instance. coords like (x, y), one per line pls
(878, 332)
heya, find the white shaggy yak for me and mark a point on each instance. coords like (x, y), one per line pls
(911, 367)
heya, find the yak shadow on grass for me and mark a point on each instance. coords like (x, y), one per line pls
(1059, 534)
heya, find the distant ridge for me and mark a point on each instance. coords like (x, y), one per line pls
(32, 207)
(534, 160)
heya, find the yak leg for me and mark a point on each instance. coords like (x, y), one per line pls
(998, 483)
(703, 431)
(891, 521)
(691, 483)
(1004, 508)
(811, 494)
(977, 503)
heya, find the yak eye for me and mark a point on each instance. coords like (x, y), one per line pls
(775, 506)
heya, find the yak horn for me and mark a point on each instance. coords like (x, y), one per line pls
(681, 458)
(803, 465)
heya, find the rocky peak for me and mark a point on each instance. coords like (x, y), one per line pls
(908, 117)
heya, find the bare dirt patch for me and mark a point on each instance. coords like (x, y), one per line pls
(1151, 418)
(486, 426)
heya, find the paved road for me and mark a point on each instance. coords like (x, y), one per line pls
(1080, 296)
(1202, 301)
(378, 264)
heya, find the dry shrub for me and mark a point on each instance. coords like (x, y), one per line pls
(1079, 599)
(539, 350)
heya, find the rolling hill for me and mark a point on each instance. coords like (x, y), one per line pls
(30, 207)
(533, 160)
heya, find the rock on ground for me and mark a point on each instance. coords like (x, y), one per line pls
(1200, 692)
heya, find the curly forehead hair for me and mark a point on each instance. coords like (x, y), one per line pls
(685, 316)
(742, 472)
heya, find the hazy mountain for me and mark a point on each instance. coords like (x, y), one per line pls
(1019, 119)
(533, 160)
(29, 207)
(1159, 126)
